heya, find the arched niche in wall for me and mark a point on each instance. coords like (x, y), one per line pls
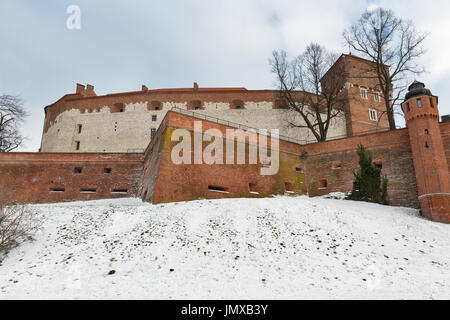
(155, 105)
(237, 105)
(280, 104)
(117, 107)
(195, 105)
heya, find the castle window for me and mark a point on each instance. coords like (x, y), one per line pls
(153, 132)
(119, 191)
(237, 105)
(378, 164)
(419, 103)
(57, 190)
(80, 127)
(281, 104)
(154, 118)
(336, 165)
(323, 184)
(155, 105)
(376, 96)
(426, 131)
(288, 187)
(431, 102)
(88, 190)
(118, 107)
(364, 93)
(373, 114)
(252, 188)
(78, 170)
(107, 170)
(77, 145)
(218, 189)
(195, 105)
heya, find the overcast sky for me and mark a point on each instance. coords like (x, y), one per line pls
(167, 44)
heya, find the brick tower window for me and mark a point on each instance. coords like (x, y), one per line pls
(419, 103)
(373, 115)
(364, 93)
(431, 102)
(376, 96)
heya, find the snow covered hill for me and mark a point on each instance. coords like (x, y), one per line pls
(277, 248)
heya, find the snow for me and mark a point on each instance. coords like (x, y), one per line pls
(275, 248)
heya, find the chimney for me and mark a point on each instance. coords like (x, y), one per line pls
(80, 88)
(195, 86)
(144, 88)
(89, 91)
(90, 87)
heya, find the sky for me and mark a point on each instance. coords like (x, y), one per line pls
(122, 45)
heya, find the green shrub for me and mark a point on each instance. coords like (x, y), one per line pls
(368, 186)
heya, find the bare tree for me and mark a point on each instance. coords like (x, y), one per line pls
(394, 46)
(12, 115)
(310, 88)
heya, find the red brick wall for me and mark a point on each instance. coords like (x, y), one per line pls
(390, 148)
(30, 177)
(190, 182)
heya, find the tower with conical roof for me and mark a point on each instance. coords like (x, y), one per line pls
(432, 175)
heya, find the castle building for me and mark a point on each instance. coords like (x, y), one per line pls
(123, 145)
(125, 122)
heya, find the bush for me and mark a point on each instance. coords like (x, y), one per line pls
(17, 224)
(368, 186)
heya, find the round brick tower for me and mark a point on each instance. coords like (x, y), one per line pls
(422, 119)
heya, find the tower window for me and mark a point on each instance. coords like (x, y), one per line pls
(364, 93)
(323, 184)
(77, 145)
(78, 170)
(373, 115)
(426, 131)
(154, 118)
(289, 187)
(376, 96)
(153, 132)
(431, 102)
(107, 170)
(427, 146)
(80, 127)
(419, 103)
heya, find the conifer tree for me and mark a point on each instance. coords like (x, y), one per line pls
(368, 185)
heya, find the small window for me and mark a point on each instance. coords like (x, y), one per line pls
(58, 190)
(426, 131)
(80, 127)
(88, 190)
(408, 107)
(118, 107)
(119, 191)
(288, 187)
(373, 114)
(419, 103)
(195, 105)
(323, 184)
(78, 170)
(378, 164)
(376, 96)
(252, 188)
(77, 145)
(218, 189)
(155, 105)
(431, 102)
(237, 105)
(364, 94)
(336, 165)
(154, 118)
(299, 170)
(427, 146)
(153, 132)
(107, 170)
